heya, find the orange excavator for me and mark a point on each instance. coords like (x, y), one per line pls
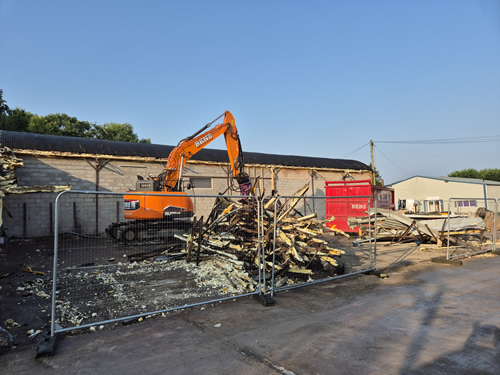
(152, 215)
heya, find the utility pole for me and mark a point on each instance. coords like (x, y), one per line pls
(373, 163)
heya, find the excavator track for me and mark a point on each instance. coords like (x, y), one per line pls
(147, 232)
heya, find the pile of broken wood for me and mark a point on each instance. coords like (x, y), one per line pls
(231, 234)
(387, 225)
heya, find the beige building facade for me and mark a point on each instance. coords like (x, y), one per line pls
(430, 194)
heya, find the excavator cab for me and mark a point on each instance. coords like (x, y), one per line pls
(147, 185)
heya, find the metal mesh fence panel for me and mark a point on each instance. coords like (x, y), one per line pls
(107, 269)
(470, 228)
(300, 245)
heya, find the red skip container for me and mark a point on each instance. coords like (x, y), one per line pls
(351, 205)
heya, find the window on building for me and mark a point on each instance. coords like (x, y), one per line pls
(200, 182)
(466, 204)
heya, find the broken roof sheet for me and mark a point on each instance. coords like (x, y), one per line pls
(54, 143)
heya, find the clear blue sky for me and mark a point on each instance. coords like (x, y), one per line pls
(311, 78)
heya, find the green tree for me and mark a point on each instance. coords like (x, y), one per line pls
(13, 119)
(465, 173)
(117, 132)
(492, 174)
(378, 178)
(59, 124)
(4, 108)
(17, 120)
(62, 124)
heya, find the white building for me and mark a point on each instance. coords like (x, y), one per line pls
(430, 194)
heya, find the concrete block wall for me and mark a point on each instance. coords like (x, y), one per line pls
(33, 214)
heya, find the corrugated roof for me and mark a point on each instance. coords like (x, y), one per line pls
(51, 143)
(454, 179)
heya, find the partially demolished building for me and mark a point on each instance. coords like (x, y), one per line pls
(98, 165)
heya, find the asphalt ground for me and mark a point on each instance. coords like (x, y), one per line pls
(426, 318)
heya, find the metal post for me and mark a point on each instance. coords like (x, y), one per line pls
(370, 233)
(375, 238)
(260, 229)
(200, 235)
(495, 224)
(54, 267)
(448, 225)
(274, 247)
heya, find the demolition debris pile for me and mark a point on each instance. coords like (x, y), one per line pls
(231, 234)
(387, 225)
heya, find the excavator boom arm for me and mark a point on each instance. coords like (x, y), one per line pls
(191, 145)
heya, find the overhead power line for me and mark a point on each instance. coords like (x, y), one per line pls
(397, 166)
(490, 138)
(359, 148)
